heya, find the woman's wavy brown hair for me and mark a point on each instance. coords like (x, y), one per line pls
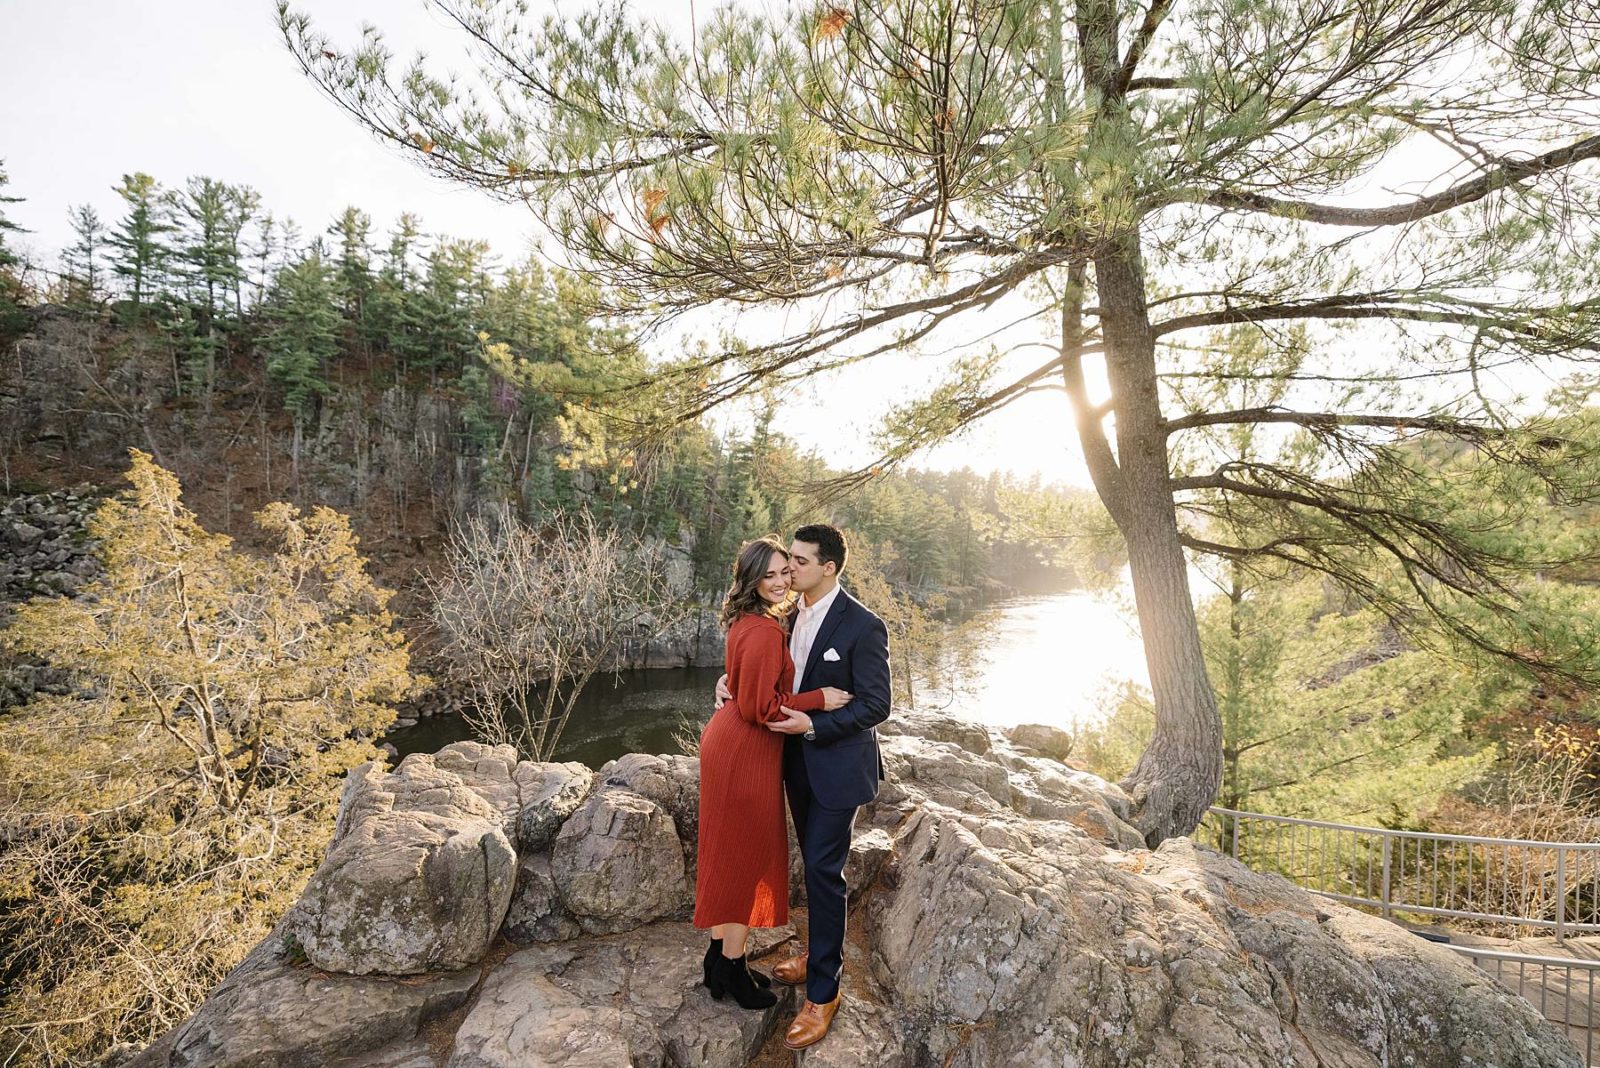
(749, 568)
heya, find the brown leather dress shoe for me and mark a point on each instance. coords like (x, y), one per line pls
(791, 970)
(811, 1023)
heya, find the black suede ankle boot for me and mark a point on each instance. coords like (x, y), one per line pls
(731, 975)
(715, 950)
(712, 980)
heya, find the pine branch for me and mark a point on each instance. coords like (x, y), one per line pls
(1503, 174)
(1275, 414)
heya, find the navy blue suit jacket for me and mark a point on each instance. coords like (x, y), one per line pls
(843, 764)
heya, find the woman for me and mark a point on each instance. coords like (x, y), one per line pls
(742, 879)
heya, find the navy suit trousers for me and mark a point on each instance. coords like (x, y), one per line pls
(824, 836)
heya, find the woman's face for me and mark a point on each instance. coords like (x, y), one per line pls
(774, 585)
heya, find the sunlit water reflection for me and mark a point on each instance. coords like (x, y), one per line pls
(1054, 659)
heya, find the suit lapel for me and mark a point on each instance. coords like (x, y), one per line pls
(830, 623)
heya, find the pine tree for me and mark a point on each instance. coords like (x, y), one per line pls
(1320, 719)
(210, 216)
(247, 205)
(518, 310)
(302, 339)
(438, 318)
(13, 316)
(83, 260)
(141, 253)
(1326, 712)
(393, 292)
(353, 229)
(261, 255)
(8, 258)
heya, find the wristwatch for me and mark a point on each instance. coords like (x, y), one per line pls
(811, 733)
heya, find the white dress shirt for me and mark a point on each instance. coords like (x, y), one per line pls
(806, 626)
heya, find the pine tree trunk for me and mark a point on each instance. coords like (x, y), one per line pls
(1177, 776)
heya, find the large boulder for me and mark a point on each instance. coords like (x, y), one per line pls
(418, 878)
(943, 773)
(549, 794)
(532, 799)
(618, 863)
(672, 782)
(1045, 790)
(1042, 738)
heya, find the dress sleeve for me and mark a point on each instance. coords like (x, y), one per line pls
(755, 676)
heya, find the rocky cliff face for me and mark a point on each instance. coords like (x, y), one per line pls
(45, 550)
(478, 912)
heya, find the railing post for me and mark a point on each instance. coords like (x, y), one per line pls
(1561, 895)
(1234, 821)
(1384, 891)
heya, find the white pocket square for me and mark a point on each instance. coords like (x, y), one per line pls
(831, 654)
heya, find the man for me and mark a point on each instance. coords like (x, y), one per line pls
(831, 764)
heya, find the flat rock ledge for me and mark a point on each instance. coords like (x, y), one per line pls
(476, 911)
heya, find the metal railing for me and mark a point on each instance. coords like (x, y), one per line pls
(1553, 886)
(1561, 988)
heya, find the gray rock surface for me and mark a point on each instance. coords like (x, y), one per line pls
(412, 1053)
(672, 782)
(537, 913)
(494, 774)
(863, 1032)
(550, 793)
(45, 550)
(271, 1013)
(1004, 914)
(935, 727)
(618, 863)
(1032, 943)
(1052, 742)
(944, 773)
(630, 999)
(418, 878)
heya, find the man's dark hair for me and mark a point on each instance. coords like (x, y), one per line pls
(829, 542)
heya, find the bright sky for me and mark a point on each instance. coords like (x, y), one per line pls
(94, 89)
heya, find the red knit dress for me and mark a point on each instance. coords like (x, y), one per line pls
(743, 868)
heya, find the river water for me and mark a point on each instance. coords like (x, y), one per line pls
(1044, 659)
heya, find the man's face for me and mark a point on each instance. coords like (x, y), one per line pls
(805, 573)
